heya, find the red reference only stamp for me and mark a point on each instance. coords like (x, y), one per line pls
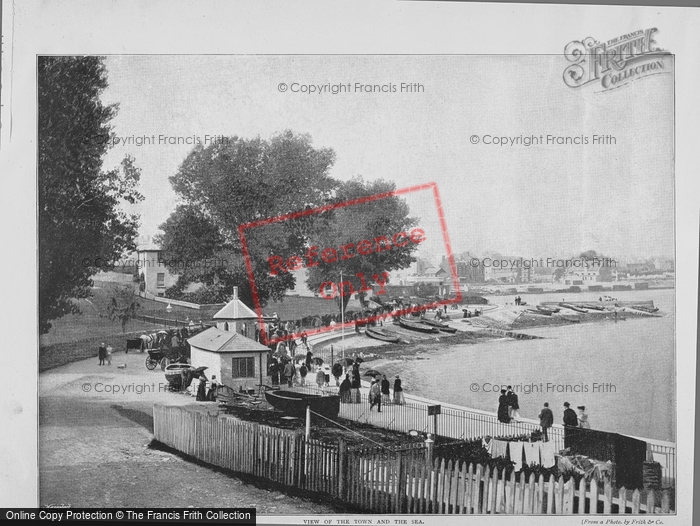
(367, 282)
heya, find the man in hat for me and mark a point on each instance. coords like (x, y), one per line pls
(546, 420)
(570, 423)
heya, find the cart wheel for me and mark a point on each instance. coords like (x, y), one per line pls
(164, 363)
(150, 364)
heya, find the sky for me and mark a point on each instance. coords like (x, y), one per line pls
(533, 201)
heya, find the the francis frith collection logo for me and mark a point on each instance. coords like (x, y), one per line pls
(617, 62)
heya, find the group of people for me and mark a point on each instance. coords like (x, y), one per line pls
(104, 354)
(570, 419)
(508, 407)
(518, 300)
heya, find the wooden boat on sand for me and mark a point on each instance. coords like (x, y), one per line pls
(294, 403)
(417, 326)
(381, 334)
(573, 307)
(439, 325)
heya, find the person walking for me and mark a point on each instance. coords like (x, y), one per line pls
(375, 396)
(513, 406)
(102, 353)
(337, 372)
(385, 390)
(583, 417)
(202, 389)
(211, 396)
(355, 384)
(303, 371)
(289, 372)
(309, 356)
(108, 351)
(398, 391)
(570, 424)
(344, 390)
(320, 377)
(503, 408)
(546, 420)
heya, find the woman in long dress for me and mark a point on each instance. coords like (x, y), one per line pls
(202, 389)
(503, 415)
(344, 390)
(583, 417)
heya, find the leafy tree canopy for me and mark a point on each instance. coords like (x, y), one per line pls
(232, 182)
(80, 219)
(353, 224)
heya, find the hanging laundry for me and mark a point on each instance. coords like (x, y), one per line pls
(499, 448)
(487, 443)
(547, 453)
(532, 453)
(516, 455)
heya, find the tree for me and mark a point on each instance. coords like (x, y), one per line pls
(370, 221)
(236, 181)
(81, 225)
(123, 306)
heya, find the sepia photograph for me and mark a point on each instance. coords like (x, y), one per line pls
(361, 287)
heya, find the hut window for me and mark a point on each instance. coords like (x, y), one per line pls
(243, 368)
(226, 326)
(160, 279)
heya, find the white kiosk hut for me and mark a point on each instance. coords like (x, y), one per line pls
(236, 317)
(236, 359)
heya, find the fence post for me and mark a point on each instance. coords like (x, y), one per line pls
(429, 444)
(342, 468)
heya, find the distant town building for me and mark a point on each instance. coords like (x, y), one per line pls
(154, 277)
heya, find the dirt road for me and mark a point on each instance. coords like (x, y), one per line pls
(95, 427)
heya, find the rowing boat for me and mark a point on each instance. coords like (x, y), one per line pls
(294, 403)
(416, 326)
(381, 334)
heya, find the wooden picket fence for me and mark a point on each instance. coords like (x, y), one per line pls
(381, 479)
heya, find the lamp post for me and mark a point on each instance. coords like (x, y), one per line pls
(342, 314)
(168, 309)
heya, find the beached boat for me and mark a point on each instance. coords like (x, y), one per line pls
(573, 307)
(417, 326)
(294, 403)
(540, 312)
(645, 308)
(547, 309)
(439, 325)
(381, 334)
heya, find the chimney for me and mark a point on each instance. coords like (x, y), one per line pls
(235, 293)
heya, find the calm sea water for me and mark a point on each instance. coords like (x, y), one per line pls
(624, 372)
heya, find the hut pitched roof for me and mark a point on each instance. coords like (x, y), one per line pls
(216, 340)
(235, 310)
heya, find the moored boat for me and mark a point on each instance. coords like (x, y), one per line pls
(294, 403)
(381, 334)
(417, 326)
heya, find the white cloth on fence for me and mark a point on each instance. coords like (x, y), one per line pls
(499, 448)
(532, 453)
(516, 454)
(547, 453)
(487, 444)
